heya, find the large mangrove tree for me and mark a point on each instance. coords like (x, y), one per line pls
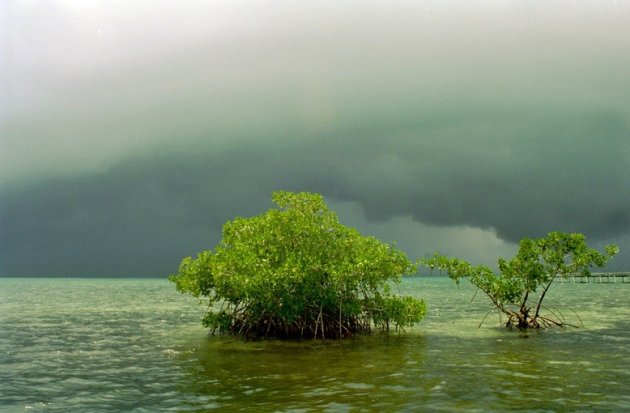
(296, 272)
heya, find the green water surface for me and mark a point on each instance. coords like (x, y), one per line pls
(101, 345)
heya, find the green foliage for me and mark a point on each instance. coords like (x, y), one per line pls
(295, 271)
(195, 276)
(534, 268)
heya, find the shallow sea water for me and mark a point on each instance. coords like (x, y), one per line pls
(113, 345)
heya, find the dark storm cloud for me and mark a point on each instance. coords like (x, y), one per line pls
(131, 131)
(143, 214)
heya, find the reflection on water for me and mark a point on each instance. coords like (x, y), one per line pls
(367, 372)
(136, 345)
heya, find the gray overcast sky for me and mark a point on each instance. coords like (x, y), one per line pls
(132, 130)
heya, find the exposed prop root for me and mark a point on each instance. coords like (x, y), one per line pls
(524, 322)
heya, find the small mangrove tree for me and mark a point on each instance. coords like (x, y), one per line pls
(296, 272)
(522, 284)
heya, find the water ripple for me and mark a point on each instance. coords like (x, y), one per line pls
(72, 345)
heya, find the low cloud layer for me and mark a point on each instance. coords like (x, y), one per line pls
(126, 146)
(141, 215)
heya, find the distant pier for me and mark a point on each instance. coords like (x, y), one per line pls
(595, 277)
(598, 277)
